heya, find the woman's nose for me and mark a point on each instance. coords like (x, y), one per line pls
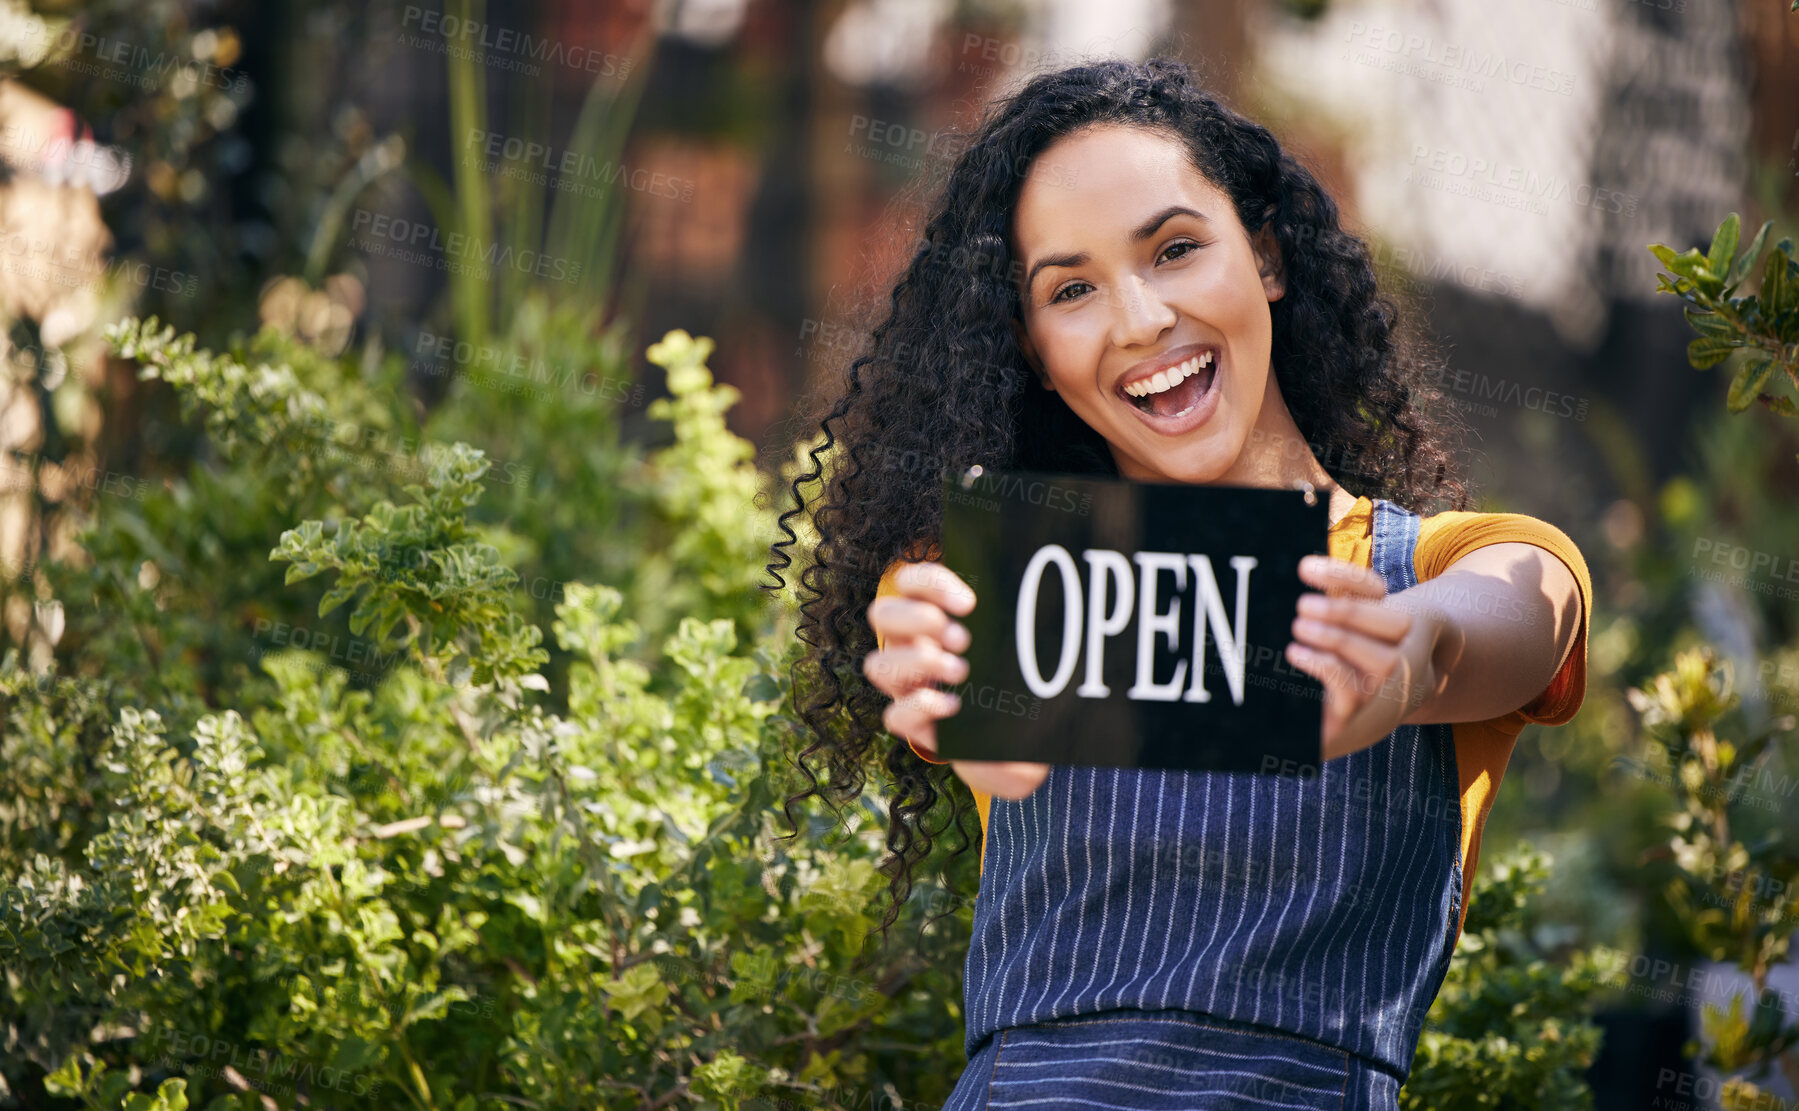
(1141, 315)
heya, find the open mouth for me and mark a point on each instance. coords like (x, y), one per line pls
(1174, 392)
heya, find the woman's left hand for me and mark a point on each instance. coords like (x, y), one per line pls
(1374, 659)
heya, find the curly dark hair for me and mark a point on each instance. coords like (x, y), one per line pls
(944, 385)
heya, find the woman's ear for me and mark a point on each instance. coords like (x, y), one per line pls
(1269, 262)
(1029, 350)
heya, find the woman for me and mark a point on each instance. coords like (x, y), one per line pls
(1125, 278)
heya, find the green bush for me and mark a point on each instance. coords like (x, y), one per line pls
(436, 889)
(1508, 1031)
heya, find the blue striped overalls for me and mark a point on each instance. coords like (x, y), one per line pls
(1160, 940)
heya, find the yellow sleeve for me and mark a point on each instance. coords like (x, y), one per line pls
(887, 588)
(1447, 537)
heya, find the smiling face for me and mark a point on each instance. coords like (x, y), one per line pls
(1146, 306)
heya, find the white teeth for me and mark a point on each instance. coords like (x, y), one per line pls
(1165, 380)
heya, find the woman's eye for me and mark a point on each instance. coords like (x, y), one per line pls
(1063, 294)
(1179, 250)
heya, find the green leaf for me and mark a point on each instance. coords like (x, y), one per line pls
(364, 615)
(335, 597)
(1706, 352)
(1713, 324)
(1777, 287)
(460, 671)
(1724, 246)
(1747, 262)
(1748, 383)
(67, 1080)
(391, 615)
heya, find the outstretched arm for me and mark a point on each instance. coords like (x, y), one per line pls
(1478, 641)
(1510, 614)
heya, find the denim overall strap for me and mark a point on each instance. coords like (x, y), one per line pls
(1321, 908)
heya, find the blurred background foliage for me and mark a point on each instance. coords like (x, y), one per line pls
(389, 715)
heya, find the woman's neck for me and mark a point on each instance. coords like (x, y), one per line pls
(1277, 456)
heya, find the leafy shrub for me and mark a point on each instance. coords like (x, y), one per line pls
(435, 890)
(1508, 1031)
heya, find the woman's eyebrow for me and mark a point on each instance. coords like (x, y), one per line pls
(1144, 230)
(1150, 226)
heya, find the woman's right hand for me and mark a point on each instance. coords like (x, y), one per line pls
(920, 645)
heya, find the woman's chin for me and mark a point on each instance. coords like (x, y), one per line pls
(1199, 460)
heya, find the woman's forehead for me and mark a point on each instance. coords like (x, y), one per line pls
(1099, 184)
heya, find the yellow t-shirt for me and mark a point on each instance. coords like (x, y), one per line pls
(1482, 748)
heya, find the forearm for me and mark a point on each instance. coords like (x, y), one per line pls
(1501, 622)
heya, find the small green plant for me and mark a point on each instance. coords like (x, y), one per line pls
(1735, 883)
(1507, 1032)
(1733, 870)
(1764, 325)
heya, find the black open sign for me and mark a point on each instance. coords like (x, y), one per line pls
(1129, 624)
